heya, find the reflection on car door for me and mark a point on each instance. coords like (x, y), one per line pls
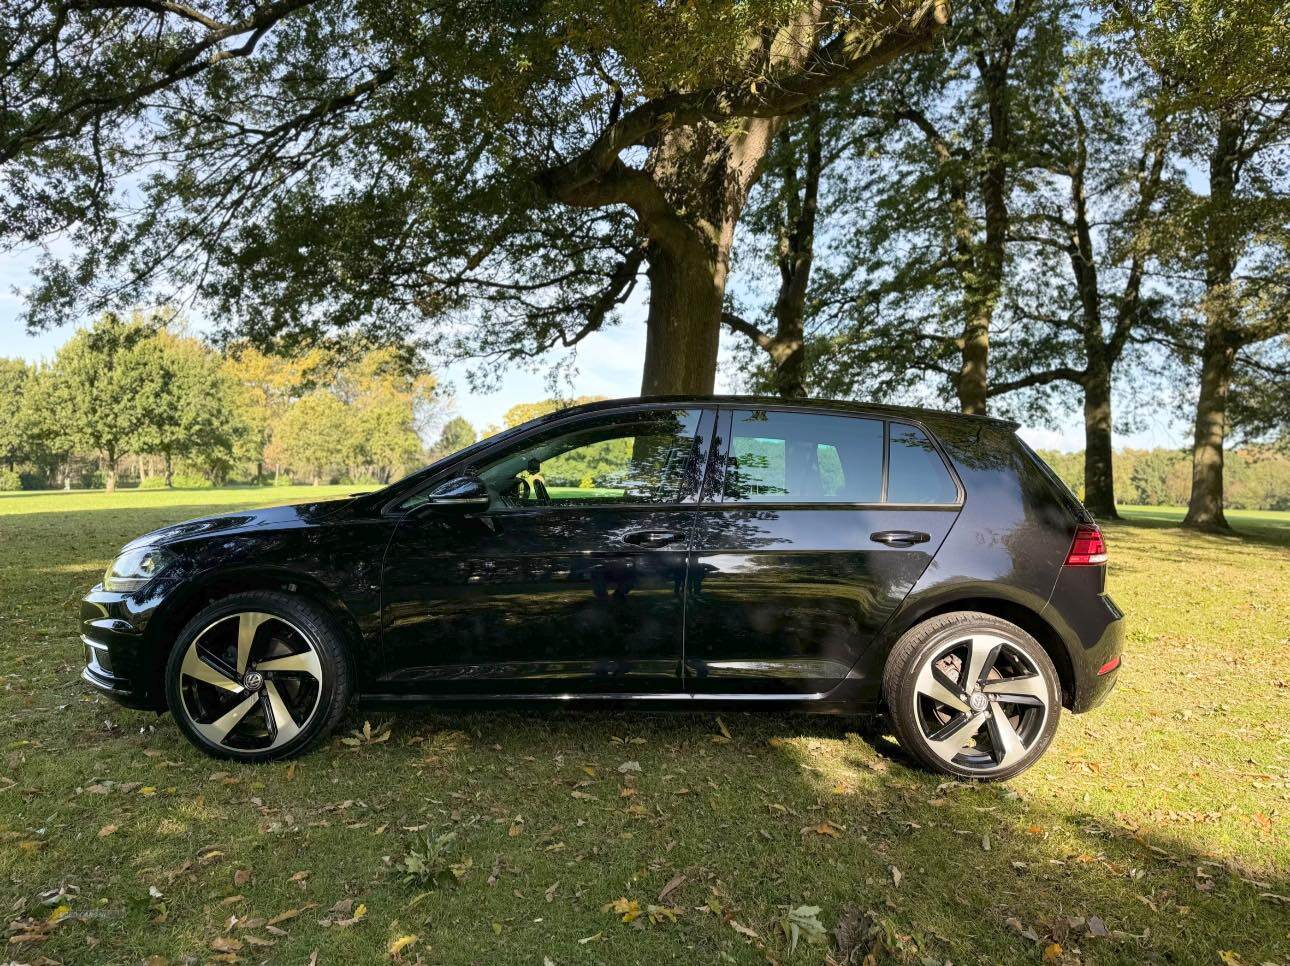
(572, 582)
(801, 555)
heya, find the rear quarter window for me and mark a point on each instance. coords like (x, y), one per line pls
(915, 471)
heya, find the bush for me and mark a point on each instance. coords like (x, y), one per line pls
(283, 481)
(10, 480)
(191, 481)
(153, 483)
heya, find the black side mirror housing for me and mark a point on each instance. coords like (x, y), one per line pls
(461, 494)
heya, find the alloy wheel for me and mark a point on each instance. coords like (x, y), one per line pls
(250, 682)
(981, 702)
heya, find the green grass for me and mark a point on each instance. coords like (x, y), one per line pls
(1165, 814)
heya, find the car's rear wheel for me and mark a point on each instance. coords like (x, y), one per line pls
(258, 676)
(972, 695)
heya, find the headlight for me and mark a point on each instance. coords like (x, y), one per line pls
(134, 568)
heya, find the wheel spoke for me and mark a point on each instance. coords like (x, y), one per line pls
(1007, 743)
(1027, 689)
(218, 730)
(284, 726)
(983, 651)
(195, 667)
(247, 624)
(305, 661)
(950, 740)
(933, 683)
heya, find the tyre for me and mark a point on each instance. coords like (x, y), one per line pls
(258, 676)
(972, 695)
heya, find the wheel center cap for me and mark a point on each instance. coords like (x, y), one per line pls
(253, 680)
(978, 701)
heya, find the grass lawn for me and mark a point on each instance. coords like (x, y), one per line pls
(1157, 829)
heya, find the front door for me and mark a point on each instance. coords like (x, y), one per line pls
(573, 581)
(809, 537)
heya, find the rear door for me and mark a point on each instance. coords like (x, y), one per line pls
(812, 529)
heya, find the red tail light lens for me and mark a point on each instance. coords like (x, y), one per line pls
(1088, 548)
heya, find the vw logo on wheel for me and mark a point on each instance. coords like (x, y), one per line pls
(253, 680)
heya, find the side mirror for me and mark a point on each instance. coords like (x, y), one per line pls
(461, 494)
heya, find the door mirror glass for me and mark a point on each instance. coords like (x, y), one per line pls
(461, 494)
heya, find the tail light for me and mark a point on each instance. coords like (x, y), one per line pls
(1088, 548)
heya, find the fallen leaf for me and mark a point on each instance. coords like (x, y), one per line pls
(400, 944)
(107, 830)
(673, 884)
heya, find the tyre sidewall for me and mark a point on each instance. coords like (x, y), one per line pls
(310, 619)
(924, 640)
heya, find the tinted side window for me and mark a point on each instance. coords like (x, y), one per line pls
(915, 471)
(777, 457)
(626, 458)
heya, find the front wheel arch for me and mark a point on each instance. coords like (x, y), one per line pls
(201, 591)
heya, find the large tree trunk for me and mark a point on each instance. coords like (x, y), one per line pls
(1099, 481)
(684, 324)
(984, 289)
(170, 471)
(973, 369)
(1205, 508)
(704, 174)
(109, 472)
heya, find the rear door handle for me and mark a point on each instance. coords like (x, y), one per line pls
(652, 538)
(899, 538)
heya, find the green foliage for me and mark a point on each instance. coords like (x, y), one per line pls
(427, 127)
(98, 395)
(1258, 478)
(14, 378)
(431, 865)
(456, 435)
(10, 480)
(189, 407)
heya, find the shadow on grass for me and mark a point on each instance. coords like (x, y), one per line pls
(951, 870)
(1266, 533)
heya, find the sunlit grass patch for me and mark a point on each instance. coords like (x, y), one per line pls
(1154, 830)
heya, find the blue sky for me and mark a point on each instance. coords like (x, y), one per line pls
(607, 364)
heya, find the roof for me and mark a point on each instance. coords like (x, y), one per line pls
(838, 405)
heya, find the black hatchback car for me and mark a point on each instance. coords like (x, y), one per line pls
(658, 553)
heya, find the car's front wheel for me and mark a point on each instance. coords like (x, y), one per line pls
(972, 695)
(258, 676)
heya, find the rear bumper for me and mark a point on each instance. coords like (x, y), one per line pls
(1092, 684)
(1092, 626)
(119, 660)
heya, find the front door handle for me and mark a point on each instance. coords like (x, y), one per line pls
(652, 538)
(899, 538)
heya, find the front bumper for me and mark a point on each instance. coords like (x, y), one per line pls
(120, 660)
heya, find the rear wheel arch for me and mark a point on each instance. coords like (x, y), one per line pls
(1028, 619)
(165, 626)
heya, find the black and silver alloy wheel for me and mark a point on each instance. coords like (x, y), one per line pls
(257, 676)
(972, 695)
(250, 681)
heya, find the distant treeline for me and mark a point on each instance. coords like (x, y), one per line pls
(1257, 478)
(137, 401)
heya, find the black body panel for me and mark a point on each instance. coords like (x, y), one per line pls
(748, 603)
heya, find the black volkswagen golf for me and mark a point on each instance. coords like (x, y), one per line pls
(657, 553)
